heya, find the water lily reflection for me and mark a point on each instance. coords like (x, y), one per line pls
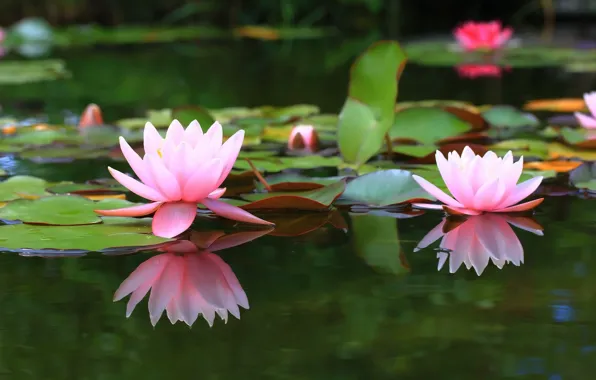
(187, 281)
(476, 240)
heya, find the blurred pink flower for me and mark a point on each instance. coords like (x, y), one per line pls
(480, 184)
(185, 282)
(586, 121)
(480, 239)
(482, 35)
(176, 173)
(303, 137)
(473, 71)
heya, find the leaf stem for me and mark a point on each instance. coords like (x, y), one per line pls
(258, 175)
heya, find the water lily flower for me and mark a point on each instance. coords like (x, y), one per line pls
(91, 116)
(473, 71)
(586, 121)
(482, 35)
(303, 137)
(185, 282)
(479, 240)
(480, 184)
(177, 173)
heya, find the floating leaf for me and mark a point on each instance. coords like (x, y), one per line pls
(557, 151)
(277, 164)
(509, 117)
(522, 147)
(186, 115)
(114, 232)
(418, 151)
(14, 187)
(368, 111)
(20, 72)
(384, 188)
(296, 182)
(83, 188)
(426, 125)
(558, 166)
(556, 105)
(314, 200)
(376, 241)
(66, 210)
(580, 137)
(584, 177)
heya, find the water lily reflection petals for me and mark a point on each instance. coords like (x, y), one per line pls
(482, 35)
(179, 171)
(588, 121)
(479, 240)
(185, 285)
(481, 184)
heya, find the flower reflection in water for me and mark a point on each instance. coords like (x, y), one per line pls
(189, 280)
(476, 240)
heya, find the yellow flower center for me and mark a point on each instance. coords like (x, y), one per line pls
(159, 153)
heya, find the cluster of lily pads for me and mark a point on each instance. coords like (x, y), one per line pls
(361, 159)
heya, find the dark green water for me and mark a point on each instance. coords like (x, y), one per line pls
(329, 304)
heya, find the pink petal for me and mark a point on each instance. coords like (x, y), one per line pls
(235, 239)
(590, 100)
(140, 210)
(203, 181)
(525, 224)
(193, 133)
(232, 212)
(461, 211)
(585, 121)
(152, 139)
(486, 194)
(172, 219)
(436, 192)
(522, 206)
(217, 193)
(136, 163)
(175, 132)
(137, 296)
(146, 271)
(521, 191)
(214, 136)
(165, 288)
(137, 187)
(460, 189)
(504, 37)
(229, 153)
(433, 235)
(165, 180)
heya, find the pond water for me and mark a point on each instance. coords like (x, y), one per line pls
(354, 298)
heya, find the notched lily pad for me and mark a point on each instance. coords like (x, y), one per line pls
(18, 186)
(114, 232)
(384, 188)
(426, 125)
(312, 200)
(66, 210)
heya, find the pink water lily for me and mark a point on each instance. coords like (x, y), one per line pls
(303, 137)
(482, 35)
(480, 184)
(185, 282)
(586, 121)
(479, 240)
(177, 173)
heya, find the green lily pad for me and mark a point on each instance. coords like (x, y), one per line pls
(579, 136)
(20, 72)
(376, 240)
(186, 115)
(368, 111)
(522, 147)
(159, 118)
(431, 174)
(384, 188)
(294, 111)
(277, 164)
(83, 188)
(284, 180)
(584, 177)
(314, 200)
(417, 151)
(509, 117)
(65, 210)
(45, 137)
(16, 186)
(114, 232)
(427, 125)
(59, 154)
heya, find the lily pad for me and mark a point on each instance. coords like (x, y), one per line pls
(294, 182)
(19, 72)
(14, 187)
(368, 111)
(427, 125)
(384, 188)
(186, 115)
(417, 151)
(580, 137)
(522, 147)
(509, 117)
(313, 200)
(114, 232)
(277, 164)
(584, 177)
(83, 188)
(65, 210)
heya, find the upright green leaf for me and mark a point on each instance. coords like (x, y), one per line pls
(368, 111)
